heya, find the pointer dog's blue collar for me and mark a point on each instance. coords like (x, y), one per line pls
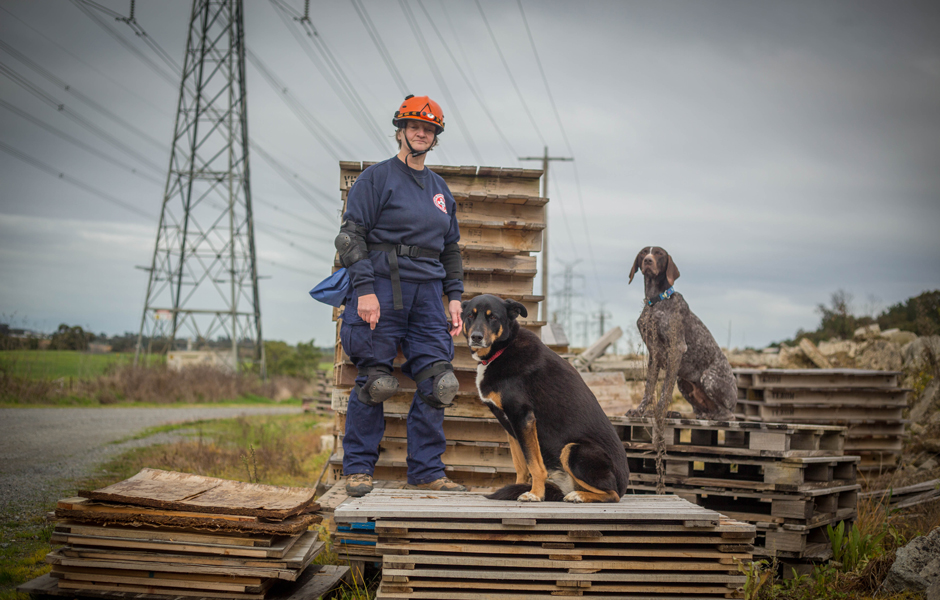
(664, 296)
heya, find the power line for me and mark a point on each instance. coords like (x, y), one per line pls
(473, 90)
(70, 89)
(317, 129)
(380, 46)
(509, 72)
(173, 81)
(336, 78)
(139, 31)
(62, 108)
(143, 99)
(463, 52)
(68, 178)
(288, 213)
(35, 162)
(435, 71)
(280, 169)
(577, 178)
(292, 181)
(77, 142)
(294, 269)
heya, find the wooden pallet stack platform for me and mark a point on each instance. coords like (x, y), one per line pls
(868, 403)
(321, 403)
(501, 216)
(162, 533)
(790, 481)
(464, 546)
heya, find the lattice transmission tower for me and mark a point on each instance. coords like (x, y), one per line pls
(203, 277)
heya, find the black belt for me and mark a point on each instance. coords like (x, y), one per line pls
(394, 251)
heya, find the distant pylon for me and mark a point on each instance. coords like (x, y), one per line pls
(203, 276)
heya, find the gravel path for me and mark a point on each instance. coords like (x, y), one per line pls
(43, 450)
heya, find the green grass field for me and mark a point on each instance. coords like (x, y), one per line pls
(54, 364)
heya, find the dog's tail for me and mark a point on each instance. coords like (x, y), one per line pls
(553, 493)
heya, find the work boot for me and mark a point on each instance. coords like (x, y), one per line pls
(359, 485)
(438, 485)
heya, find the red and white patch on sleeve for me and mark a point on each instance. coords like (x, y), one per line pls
(439, 202)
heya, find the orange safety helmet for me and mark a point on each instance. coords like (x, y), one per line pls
(419, 108)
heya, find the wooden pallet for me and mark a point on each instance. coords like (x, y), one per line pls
(868, 403)
(877, 397)
(312, 583)
(777, 412)
(437, 545)
(743, 438)
(815, 378)
(797, 474)
(770, 508)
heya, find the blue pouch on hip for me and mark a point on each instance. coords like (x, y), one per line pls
(333, 289)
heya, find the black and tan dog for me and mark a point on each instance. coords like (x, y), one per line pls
(558, 433)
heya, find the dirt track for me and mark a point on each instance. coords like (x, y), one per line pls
(43, 449)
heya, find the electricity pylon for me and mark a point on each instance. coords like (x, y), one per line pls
(203, 276)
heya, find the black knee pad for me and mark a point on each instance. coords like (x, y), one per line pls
(379, 387)
(444, 384)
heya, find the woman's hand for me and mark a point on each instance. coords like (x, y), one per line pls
(368, 309)
(456, 321)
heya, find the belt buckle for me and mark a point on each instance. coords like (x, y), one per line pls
(409, 251)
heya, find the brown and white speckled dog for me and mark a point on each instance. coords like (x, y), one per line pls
(679, 342)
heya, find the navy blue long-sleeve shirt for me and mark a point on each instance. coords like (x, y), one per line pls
(387, 202)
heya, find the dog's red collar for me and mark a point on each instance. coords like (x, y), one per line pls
(492, 358)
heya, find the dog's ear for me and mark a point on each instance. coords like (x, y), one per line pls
(463, 305)
(514, 309)
(672, 271)
(636, 266)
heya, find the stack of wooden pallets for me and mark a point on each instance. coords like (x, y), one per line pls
(163, 533)
(501, 216)
(790, 481)
(868, 403)
(322, 402)
(463, 546)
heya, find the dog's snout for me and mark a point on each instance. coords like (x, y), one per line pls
(476, 337)
(648, 259)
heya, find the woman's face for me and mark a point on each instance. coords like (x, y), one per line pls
(419, 134)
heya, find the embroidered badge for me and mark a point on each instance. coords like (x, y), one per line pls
(439, 202)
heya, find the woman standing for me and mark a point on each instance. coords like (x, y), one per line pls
(398, 242)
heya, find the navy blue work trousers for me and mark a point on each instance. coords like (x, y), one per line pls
(420, 328)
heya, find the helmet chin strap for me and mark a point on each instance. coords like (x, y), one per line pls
(414, 153)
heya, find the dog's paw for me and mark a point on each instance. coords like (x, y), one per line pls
(528, 497)
(573, 497)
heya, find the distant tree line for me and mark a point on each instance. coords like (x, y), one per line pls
(281, 358)
(919, 314)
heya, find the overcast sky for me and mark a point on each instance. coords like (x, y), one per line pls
(779, 151)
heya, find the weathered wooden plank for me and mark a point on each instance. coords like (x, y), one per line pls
(464, 405)
(455, 429)
(189, 581)
(831, 396)
(277, 551)
(155, 534)
(86, 511)
(498, 182)
(87, 586)
(774, 378)
(532, 575)
(409, 547)
(408, 504)
(419, 585)
(157, 488)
